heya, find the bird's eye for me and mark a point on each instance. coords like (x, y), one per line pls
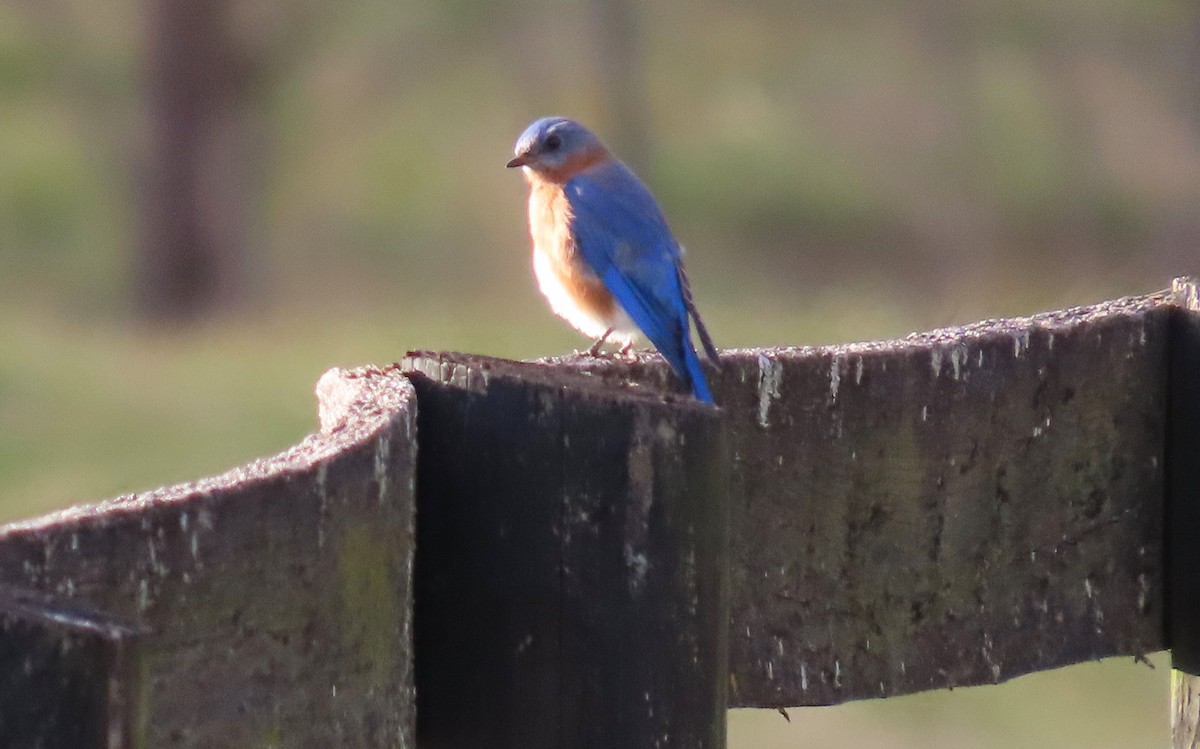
(553, 143)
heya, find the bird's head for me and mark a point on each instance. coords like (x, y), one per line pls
(557, 148)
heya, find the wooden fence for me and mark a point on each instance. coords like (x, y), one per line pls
(602, 563)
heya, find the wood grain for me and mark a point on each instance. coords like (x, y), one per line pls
(957, 507)
(275, 597)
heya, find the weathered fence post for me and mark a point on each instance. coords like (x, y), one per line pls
(69, 678)
(273, 601)
(571, 579)
(1183, 515)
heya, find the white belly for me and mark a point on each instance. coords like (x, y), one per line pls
(584, 318)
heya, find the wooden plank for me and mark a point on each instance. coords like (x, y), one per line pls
(1185, 706)
(958, 507)
(1183, 512)
(69, 678)
(572, 578)
(277, 595)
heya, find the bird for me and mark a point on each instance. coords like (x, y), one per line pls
(603, 254)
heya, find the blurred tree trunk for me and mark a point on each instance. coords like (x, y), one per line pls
(196, 194)
(623, 74)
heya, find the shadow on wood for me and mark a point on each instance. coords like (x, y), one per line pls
(69, 678)
(1183, 514)
(571, 576)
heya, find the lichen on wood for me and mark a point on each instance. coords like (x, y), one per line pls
(275, 598)
(957, 507)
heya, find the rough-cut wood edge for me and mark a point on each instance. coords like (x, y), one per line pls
(1183, 512)
(353, 406)
(640, 369)
(150, 558)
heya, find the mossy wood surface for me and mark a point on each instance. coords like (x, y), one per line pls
(957, 507)
(274, 600)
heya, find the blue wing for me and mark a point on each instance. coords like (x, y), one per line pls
(623, 237)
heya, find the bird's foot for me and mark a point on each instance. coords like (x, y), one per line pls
(627, 352)
(594, 349)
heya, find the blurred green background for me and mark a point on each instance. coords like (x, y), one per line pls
(838, 171)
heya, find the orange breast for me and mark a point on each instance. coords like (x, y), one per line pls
(550, 215)
(575, 292)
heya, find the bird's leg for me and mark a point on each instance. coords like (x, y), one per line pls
(594, 349)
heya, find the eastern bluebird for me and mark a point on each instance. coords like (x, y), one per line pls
(602, 252)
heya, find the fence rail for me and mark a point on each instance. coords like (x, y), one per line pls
(958, 507)
(601, 562)
(272, 603)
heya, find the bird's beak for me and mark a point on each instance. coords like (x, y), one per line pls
(518, 161)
